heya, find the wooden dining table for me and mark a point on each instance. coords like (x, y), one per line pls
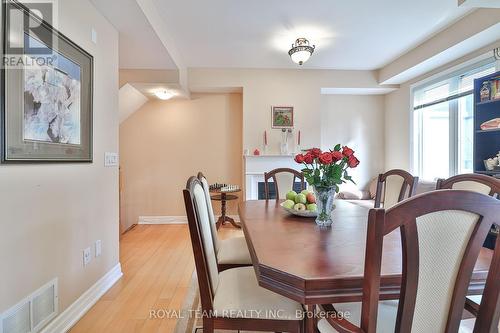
(294, 257)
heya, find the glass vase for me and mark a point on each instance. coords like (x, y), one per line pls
(324, 200)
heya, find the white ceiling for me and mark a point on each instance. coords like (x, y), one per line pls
(140, 47)
(362, 34)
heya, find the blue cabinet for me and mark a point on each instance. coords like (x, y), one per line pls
(486, 142)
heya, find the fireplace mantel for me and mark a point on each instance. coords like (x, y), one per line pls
(270, 155)
(255, 166)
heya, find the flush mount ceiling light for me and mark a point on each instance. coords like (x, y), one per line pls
(164, 94)
(301, 51)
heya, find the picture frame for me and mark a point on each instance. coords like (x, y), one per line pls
(282, 117)
(46, 109)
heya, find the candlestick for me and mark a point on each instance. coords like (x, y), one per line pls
(299, 139)
(265, 138)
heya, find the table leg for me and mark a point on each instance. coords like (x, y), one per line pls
(223, 208)
(220, 222)
(233, 223)
(311, 322)
(224, 218)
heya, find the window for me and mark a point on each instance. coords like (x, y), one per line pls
(443, 128)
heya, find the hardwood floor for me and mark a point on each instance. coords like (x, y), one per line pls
(157, 264)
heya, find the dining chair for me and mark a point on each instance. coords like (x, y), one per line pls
(231, 252)
(477, 183)
(284, 181)
(232, 299)
(394, 186)
(442, 233)
(472, 182)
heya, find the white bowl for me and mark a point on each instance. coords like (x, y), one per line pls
(302, 213)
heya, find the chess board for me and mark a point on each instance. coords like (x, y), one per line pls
(224, 188)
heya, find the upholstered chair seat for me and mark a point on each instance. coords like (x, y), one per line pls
(232, 299)
(232, 252)
(386, 320)
(239, 296)
(387, 313)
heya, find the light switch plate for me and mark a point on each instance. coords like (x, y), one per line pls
(98, 248)
(110, 159)
(94, 36)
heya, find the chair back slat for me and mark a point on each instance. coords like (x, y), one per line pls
(442, 241)
(471, 182)
(284, 181)
(394, 186)
(472, 186)
(201, 240)
(211, 215)
(442, 234)
(394, 190)
(408, 297)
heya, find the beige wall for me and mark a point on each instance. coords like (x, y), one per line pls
(397, 129)
(263, 88)
(357, 121)
(51, 212)
(165, 142)
(152, 178)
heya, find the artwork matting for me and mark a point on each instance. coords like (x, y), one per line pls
(46, 107)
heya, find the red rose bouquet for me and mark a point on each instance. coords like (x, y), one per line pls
(325, 171)
(328, 169)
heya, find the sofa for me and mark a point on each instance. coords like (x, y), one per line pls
(366, 198)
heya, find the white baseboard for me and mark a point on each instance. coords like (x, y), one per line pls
(162, 220)
(171, 219)
(69, 317)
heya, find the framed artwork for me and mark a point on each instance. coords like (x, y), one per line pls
(46, 92)
(282, 117)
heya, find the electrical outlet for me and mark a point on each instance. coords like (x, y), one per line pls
(86, 256)
(98, 248)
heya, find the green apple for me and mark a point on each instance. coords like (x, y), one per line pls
(301, 198)
(288, 204)
(305, 192)
(291, 195)
(300, 207)
(312, 207)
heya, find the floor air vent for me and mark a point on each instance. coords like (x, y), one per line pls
(33, 313)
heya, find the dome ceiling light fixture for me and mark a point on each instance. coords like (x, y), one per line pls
(301, 51)
(164, 94)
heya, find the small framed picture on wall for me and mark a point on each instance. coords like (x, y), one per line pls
(282, 117)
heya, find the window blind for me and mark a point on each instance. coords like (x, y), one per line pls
(449, 89)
